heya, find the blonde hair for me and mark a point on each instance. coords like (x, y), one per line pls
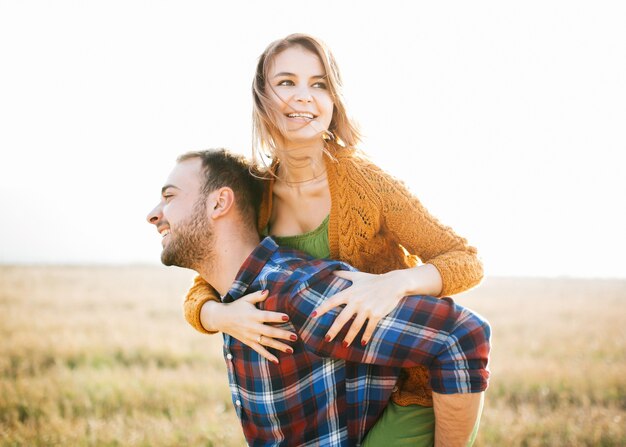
(265, 131)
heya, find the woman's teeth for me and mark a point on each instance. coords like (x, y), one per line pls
(301, 115)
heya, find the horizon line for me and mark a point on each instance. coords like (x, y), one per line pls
(143, 264)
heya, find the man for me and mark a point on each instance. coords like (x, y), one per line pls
(322, 393)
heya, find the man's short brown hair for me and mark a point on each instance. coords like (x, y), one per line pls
(224, 168)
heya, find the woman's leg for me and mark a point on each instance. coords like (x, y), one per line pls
(458, 417)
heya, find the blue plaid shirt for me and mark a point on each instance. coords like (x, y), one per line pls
(327, 395)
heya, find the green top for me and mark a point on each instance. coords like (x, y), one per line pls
(314, 242)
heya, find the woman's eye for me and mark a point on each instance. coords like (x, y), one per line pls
(320, 85)
(286, 82)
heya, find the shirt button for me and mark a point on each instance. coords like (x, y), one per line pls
(229, 356)
(238, 403)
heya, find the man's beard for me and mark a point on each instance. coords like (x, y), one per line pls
(191, 244)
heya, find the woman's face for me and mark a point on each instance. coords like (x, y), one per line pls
(297, 84)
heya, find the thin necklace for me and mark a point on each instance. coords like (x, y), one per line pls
(316, 176)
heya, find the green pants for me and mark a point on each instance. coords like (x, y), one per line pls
(412, 426)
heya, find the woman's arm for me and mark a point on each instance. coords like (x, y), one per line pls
(240, 319)
(422, 235)
(451, 265)
(199, 294)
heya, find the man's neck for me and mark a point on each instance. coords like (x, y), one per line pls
(230, 253)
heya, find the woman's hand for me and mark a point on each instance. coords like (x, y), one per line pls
(248, 324)
(371, 297)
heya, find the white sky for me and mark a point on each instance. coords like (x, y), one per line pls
(507, 119)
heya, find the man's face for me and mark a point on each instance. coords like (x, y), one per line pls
(181, 217)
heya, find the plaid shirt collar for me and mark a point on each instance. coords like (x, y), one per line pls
(250, 269)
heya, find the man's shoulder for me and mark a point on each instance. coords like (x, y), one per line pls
(297, 269)
(300, 263)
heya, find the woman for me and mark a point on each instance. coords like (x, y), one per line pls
(325, 198)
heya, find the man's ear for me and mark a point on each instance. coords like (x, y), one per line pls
(220, 202)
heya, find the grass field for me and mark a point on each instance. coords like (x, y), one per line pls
(102, 356)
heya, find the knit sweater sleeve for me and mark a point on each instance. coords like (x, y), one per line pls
(199, 293)
(422, 235)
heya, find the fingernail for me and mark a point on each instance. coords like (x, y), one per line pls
(275, 362)
(314, 314)
(264, 292)
(327, 338)
(293, 337)
(289, 351)
(285, 318)
(363, 342)
(344, 344)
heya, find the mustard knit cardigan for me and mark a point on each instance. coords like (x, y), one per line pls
(376, 225)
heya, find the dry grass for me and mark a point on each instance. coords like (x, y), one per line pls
(558, 362)
(102, 356)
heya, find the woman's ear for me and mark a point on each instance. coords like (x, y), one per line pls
(221, 201)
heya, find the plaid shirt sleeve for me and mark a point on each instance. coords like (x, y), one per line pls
(422, 330)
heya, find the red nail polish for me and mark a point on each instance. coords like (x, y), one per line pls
(363, 342)
(264, 292)
(285, 318)
(314, 314)
(327, 338)
(293, 337)
(289, 351)
(344, 344)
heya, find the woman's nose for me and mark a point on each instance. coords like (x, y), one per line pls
(303, 94)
